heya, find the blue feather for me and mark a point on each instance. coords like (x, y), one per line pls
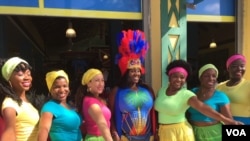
(119, 38)
(137, 45)
(117, 58)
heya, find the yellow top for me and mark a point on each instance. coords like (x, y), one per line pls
(239, 97)
(26, 120)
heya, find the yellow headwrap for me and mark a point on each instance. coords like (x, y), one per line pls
(51, 76)
(89, 74)
(10, 65)
(208, 66)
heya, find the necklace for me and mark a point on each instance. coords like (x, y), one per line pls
(201, 95)
(205, 94)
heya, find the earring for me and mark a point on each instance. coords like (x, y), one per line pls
(49, 95)
(88, 89)
(10, 84)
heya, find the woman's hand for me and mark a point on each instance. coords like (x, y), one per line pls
(237, 123)
(232, 122)
(115, 136)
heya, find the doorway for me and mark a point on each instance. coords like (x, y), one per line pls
(199, 52)
(42, 41)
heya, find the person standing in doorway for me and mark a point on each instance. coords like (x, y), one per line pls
(237, 88)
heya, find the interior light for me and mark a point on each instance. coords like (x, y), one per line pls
(70, 32)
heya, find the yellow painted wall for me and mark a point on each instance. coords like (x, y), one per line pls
(246, 32)
(155, 38)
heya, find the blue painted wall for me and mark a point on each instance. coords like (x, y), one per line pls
(214, 7)
(101, 5)
(26, 3)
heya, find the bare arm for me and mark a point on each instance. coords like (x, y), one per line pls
(44, 126)
(96, 114)
(225, 110)
(206, 110)
(9, 117)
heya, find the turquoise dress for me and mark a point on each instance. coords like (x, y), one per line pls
(66, 122)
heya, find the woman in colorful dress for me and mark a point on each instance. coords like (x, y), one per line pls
(131, 101)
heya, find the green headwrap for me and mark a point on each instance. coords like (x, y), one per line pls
(206, 67)
(10, 65)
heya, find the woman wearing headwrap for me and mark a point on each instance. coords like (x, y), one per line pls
(19, 110)
(131, 101)
(206, 128)
(237, 88)
(93, 108)
(59, 120)
(172, 102)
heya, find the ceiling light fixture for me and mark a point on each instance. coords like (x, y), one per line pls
(70, 32)
(105, 57)
(212, 44)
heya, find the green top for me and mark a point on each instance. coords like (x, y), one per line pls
(171, 109)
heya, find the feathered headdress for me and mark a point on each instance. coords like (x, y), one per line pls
(132, 48)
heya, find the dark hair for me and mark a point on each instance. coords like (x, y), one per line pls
(180, 63)
(5, 87)
(81, 92)
(124, 83)
(7, 91)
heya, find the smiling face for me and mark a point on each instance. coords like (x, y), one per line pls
(21, 80)
(134, 75)
(237, 69)
(60, 89)
(208, 78)
(176, 80)
(96, 85)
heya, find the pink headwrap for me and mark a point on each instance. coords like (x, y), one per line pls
(178, 69)
(235, 57)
